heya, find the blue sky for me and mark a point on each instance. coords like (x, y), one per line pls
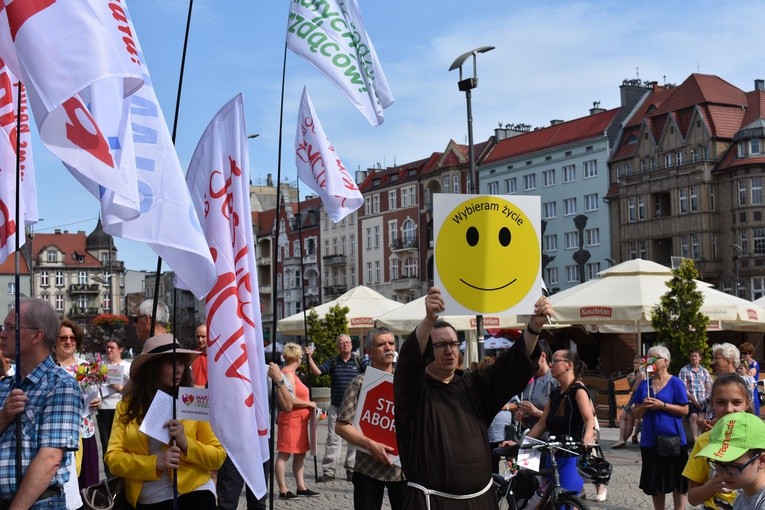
(552, 60)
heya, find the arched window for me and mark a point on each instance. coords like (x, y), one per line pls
(409, 231)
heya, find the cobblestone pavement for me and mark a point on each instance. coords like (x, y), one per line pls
(623, 491)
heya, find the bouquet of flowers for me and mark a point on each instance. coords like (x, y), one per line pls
(92, 374)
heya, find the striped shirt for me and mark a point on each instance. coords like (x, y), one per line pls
(51, 419)
(342, 373)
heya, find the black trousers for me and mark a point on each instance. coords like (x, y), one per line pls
(368, 493)
(104, 419)
(229, 488)
(199, 500)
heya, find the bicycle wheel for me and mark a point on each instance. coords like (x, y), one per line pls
(568, 502)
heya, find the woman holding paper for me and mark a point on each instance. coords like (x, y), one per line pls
(147, 463)
(111, 390)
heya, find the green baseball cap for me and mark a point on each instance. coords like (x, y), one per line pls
(733, 435)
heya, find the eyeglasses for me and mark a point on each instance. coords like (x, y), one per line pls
(64, 338)
(446, 345)
(558, 360)
(138, 318)
(732, 469)
(10, 328)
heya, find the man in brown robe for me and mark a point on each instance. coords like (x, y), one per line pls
(442, 413)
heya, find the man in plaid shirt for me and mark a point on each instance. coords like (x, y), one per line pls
(48, 403)
(698, 386)
(373, 471)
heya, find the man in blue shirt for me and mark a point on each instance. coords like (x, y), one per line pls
(48, 403)
(343, 368)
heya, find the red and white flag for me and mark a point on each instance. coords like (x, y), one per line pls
(331, 36)
(77, 77)
(218, 179)
(319, 166)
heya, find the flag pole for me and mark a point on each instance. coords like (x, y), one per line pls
(274, 271)
(17, 280)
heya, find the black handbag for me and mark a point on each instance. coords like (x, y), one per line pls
(667, 446)
(107, 494)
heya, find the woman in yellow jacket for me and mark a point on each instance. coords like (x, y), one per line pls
(146, 463)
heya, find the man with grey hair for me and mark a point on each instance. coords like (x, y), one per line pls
(49, 404)
(342, 368)
(143, 319)
(373, 472)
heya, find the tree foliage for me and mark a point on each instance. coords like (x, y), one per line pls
(104, 327)
(678, 323)
(323, 333)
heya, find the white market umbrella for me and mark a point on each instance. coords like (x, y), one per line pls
(404, 319)
(626, 294)
(364, 304)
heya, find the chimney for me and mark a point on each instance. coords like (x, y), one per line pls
(759, 84)
(596, 108)
(269, 180)
(57, 231)
(360, 176)
(555, 122)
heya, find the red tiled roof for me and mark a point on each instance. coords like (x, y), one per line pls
(9, 266)
(701, 89)
(401, 170)
(69, 244)
(579, 129)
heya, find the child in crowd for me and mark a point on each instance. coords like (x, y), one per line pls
(705, 486)
(735, 450)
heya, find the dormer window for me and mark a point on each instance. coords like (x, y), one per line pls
(754, 146)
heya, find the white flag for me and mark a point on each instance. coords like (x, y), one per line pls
(319, 166)
(218, 179)
(66, 57)
(330, 34)
(168, 222)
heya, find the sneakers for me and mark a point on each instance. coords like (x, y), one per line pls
(326, 478)
(288, 495)
(600, 497)
(307, 492)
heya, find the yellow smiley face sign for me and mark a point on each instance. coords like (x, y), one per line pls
(487, 252)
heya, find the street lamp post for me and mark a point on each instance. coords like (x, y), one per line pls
(736, 262)
(466, 85)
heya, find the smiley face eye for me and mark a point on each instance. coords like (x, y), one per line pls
(504, 236)
(472, 236)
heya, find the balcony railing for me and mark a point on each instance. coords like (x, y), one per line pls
(334, 260)
(335, 290)
(84, 288)
(403, 244)
(406, 284)
(78, 311)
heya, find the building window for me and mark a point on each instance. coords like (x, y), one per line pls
(679, 157)
(409, 230)
(591, 202)
(695, 247)
(572, 274)
(551, 242)
(352, 243)
(529, 182)
(684, 246)
(643, 250)
(296, 248)
(569, 206)
(377, 271)
(641, 208)
(394, 268)
(446, 184)
(548, 176)
(756, 190)
(393, 232)
(456, 183)
(51, 255)
(758, 240)
(11, 288)
(590, 169)
(59, 302)
(44, 279)
(376, 203)
(758, 287)
(550, 210)
(493, 188)
(754, 146)
(668, 160)
(408, 197)
(632, 247)
(369, 273)
(592, 269)
(569, 173)
(367, 206)
(592, 236)
(694, 197)
(712, 199)
(552, 275)
(410, 268)
(82, 301)
(511, 186)
(377, 236)
(369, 238)
(632, 209)
(571, 239)
(683, 200)
(392, 200)
(742, 192)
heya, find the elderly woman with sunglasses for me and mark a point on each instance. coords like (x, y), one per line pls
(662, 401)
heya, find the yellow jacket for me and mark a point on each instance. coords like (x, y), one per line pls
(128, 456)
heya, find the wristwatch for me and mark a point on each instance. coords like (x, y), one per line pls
(279, 383)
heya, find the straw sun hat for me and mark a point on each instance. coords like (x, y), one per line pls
(157, 346)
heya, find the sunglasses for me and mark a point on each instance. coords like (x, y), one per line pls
(137, 318)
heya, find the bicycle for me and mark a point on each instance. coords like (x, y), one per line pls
(512, 496)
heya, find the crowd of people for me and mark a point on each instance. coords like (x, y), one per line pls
(528, 391)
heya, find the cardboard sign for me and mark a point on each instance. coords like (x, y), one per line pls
(375, 410)
(193, 404)
(487, 253)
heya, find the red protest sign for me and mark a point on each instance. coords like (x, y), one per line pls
(375, 410)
